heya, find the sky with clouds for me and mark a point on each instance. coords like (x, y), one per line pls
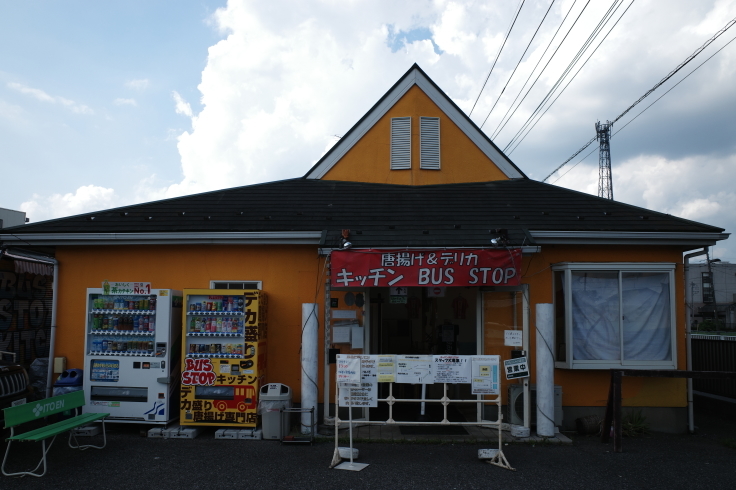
(114, 103)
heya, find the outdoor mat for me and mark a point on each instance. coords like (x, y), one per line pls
(432, 430)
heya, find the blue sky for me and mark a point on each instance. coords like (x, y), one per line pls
(104, 104)
(119, 65)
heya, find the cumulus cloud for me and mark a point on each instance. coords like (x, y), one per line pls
(42, 96)
(275, 93)
(182, 106)
(284, 81)
(139, 84)
(85, 199)
(121, 101)
(698, 188)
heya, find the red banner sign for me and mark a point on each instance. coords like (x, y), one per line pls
(384, 268)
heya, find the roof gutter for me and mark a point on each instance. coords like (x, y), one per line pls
(563, 237)
(163, 238)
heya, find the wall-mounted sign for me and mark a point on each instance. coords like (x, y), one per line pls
(516, 368)
(382, 268)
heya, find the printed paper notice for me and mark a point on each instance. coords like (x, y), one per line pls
(348, 369)
(452, 369)
(364, 393)
(512, 338)
(485, 375)
(361, 395)
(386, 369)
(414, 369)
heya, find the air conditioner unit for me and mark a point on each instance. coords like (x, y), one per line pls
(516, 404)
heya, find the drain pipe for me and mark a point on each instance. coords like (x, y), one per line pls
(52, 341)
(688, 333)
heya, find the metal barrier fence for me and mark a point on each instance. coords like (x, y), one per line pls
(496, 457)
(714, 353)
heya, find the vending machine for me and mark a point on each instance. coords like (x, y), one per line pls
(132, 357)
(224, 344)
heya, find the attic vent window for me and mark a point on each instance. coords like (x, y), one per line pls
(429, 143)
(400, 143)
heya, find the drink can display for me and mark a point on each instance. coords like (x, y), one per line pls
(219, 324)
(150, 346)
(135, 323)
(151, 325)
(152, 302)
(104, 345)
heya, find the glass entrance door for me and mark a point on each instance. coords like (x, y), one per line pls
(502, 312)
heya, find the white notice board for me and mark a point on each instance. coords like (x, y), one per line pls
(348, 369)
(414, 369)
(452, 369)
(365, 392)
(485, 375)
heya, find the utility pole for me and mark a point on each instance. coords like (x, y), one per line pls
(605, 183)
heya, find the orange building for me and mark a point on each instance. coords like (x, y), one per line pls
(413, 179)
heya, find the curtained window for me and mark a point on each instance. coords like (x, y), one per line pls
(613, 315)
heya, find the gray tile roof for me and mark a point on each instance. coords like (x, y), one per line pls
(379, 215)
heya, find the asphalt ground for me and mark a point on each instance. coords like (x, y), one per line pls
(706, 459)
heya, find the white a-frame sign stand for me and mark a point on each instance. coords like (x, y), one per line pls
(348, 374)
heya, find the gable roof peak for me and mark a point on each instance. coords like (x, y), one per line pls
(415, 76)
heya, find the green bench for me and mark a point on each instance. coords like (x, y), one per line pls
(30, 412)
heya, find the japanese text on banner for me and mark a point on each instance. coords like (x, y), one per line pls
(374, 268)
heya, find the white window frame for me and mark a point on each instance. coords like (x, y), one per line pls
(259, 284)
(639, 267)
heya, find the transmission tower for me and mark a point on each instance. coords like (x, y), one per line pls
(605, 183)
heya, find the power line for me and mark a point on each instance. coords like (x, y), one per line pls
(658, 84)
(634, 118)
(518, 63)
(545, 66)
(573, 78)
(497, 56)
(495, 131)
(597, 30)
(680, 66)
(675, 85)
